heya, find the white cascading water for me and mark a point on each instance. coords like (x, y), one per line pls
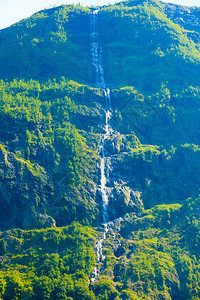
(96, 50)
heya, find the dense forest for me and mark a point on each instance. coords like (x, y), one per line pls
(52, 123)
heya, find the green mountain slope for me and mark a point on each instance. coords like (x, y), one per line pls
(186, 17)
(44, 133)
(147, 48)
(47, 45)
(157, 257)
(52, 123)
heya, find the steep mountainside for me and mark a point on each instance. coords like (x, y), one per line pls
(48, 45)
(45, 142)
(186, 17)
(100, 123)
(147, 49)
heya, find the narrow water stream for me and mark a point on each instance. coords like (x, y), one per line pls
(96, 50)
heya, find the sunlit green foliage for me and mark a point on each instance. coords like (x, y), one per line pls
(48, 264)
(147, 47)
(47, 45)
(161, 259)
(50, 134)
(43, 134)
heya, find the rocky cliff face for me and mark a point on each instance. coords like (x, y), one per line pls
(186, 17)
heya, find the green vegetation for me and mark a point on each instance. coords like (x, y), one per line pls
(43, 134)
(161, 259)
(47, 45)
(157, 258)
(147, 49)
(47, 264)
(50, 134)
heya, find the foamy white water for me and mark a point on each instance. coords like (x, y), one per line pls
(96, 50)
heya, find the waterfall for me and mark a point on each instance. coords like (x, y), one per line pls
(96, 50)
